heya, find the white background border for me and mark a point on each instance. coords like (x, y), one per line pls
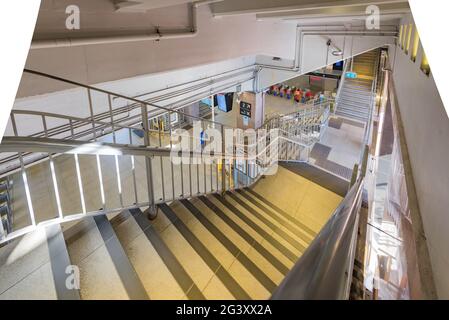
(18, 18)
(17, 21)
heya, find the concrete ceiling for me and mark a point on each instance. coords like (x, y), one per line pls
(389, 13)
(144, 5)
(103, 17)
(233, 7)
(121, 17)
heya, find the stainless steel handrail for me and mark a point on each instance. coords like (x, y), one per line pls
(340, 87)
(324, 270)
(140, 102)
(48, 145)
(62, 146)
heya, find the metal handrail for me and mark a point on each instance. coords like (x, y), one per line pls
(62, 146)
(325, 268)
(114, 94)
(324, 271)
(309, 105)
(45, 144)
(340, 87)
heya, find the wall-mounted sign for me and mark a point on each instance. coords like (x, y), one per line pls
(351, 75)
(174, 118)
(245, 109)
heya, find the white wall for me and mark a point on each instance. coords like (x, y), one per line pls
(426, 126)
(74, 101)
(314, 55)
(218, 40)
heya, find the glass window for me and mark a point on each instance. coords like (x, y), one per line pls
(400, 35)
(415, 45)
(404, 33)
(425, 67)
(409, 39)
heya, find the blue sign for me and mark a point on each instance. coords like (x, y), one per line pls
(351, 75)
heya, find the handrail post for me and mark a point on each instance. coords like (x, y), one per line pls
(91, 111)
(151, 212)
(223, 161)
(171, 162)
(355, 173)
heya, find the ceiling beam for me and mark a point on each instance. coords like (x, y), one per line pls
(385, 10)
(237, 7)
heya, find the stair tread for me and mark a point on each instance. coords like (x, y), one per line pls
(255, 229)
(149, 266)
(215, 255)
(99, 278)
(169, 258)
(262, 272)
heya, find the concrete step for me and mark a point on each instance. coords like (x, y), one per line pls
(351, 115)
(354, 104)
(352, 89)
(105, 270)
(237, 246)
(356, 88)
(359, 82)
(34, 267)
(357, 112)
(230, 246)
(144, 255)
(357, 97)
(254, 228)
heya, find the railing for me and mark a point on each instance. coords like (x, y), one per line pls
(307, 124)
(324, 271)
(65, 167)
(340, 86)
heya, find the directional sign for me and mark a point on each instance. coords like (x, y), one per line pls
(245, 109)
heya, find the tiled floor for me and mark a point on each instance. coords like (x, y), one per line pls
(340, 147)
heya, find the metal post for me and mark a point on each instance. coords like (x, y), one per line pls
(190, 173)
(211, 174)
(24, 175)
(223, 161)
(133, 169)
(117, 166)
(91, 110)
(217, 174)
(112, 118)
(2, 230)
(53, 172)
(71, 129)
(160, 160)
(151, 212)
(171, 162)
(204, 172)
(198, 166)
(212, 106)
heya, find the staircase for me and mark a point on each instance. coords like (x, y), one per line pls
(106, 205)
(239, 245)
(355, 97)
